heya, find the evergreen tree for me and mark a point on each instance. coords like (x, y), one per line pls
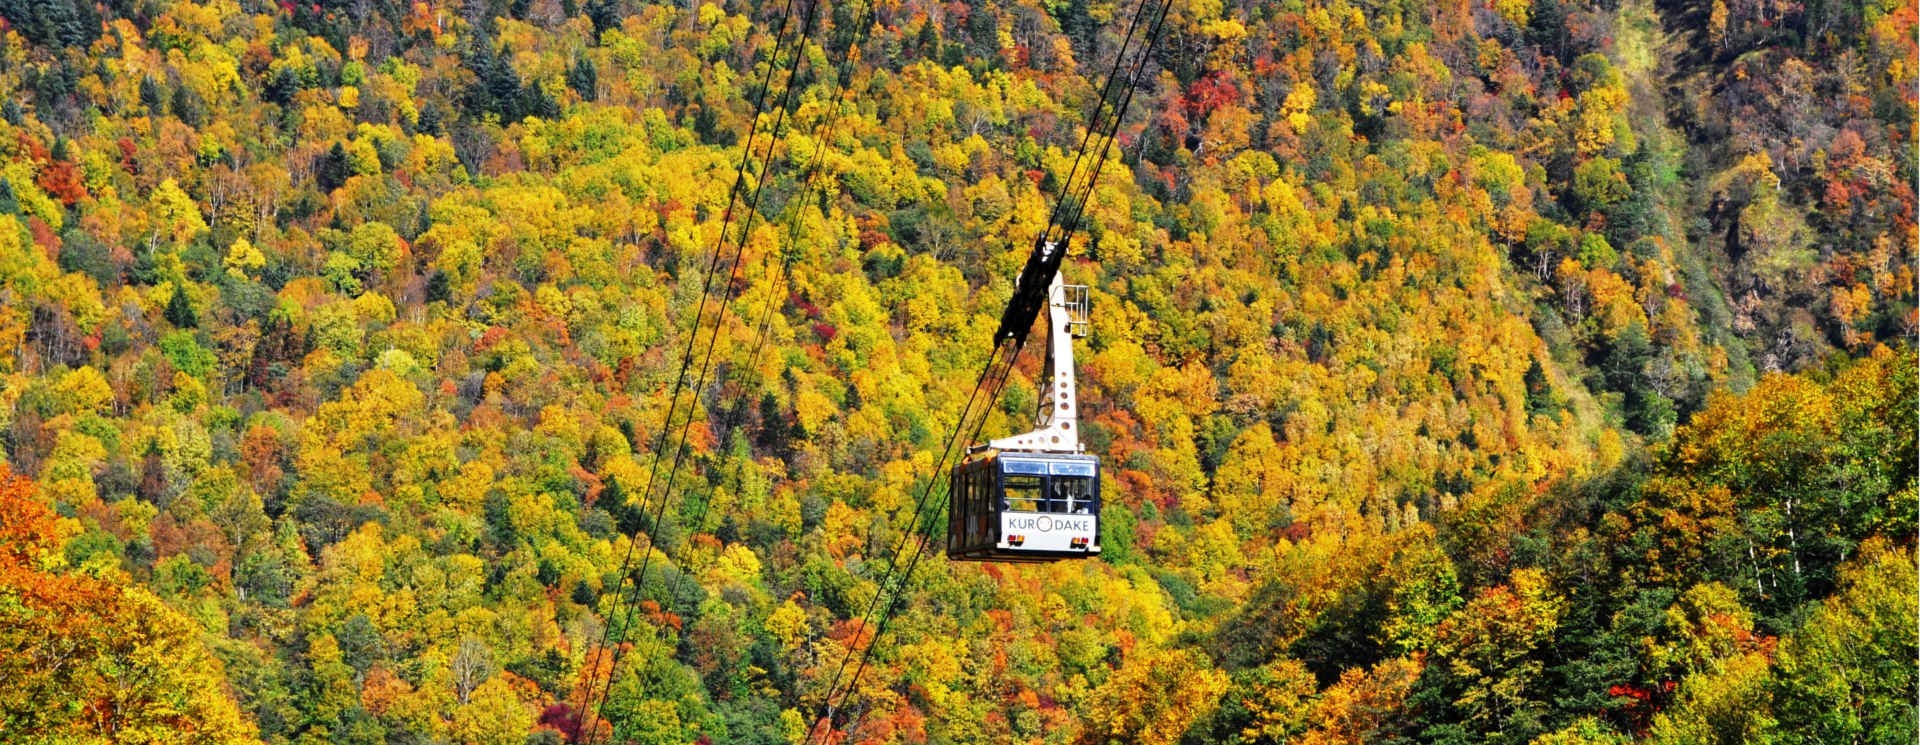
(584, 78)
(333, 169)
(180, 311)
(53, 23)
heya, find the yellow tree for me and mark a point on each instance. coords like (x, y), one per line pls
(1154, 697)
(90, 662)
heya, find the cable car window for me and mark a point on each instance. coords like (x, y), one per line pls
(1072, 494)
(976, 504)
(1011, 465)
(962, 513)
(981, 485)
(1071, 468)
(1022, 492)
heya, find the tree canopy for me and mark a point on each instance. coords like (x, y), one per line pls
(1524, 371)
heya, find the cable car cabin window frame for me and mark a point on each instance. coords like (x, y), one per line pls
(986, 491)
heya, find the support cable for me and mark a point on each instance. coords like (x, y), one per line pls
(587, 709)
(1113, 130)
(822, 130)
(713, 341)
(920, 504)
(829, 707)
(1093, 125)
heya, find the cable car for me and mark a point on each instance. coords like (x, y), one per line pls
(1015, 506)
(1036, 496)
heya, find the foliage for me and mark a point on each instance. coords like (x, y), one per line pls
(90, 660)
(1516, 371)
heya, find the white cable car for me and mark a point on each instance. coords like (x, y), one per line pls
(1036, 496)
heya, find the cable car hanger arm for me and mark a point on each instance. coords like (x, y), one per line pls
(1030, 291)
(1055, 422)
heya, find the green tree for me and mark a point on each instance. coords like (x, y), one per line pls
(1847, 675)
(180, 311)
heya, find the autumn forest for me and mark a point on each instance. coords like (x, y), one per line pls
(1471, 371)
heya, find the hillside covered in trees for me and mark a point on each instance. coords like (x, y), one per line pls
(1524, 371)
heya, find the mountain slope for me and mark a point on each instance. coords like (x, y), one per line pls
(351, 330)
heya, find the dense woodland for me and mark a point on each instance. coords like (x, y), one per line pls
(1522, 371)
